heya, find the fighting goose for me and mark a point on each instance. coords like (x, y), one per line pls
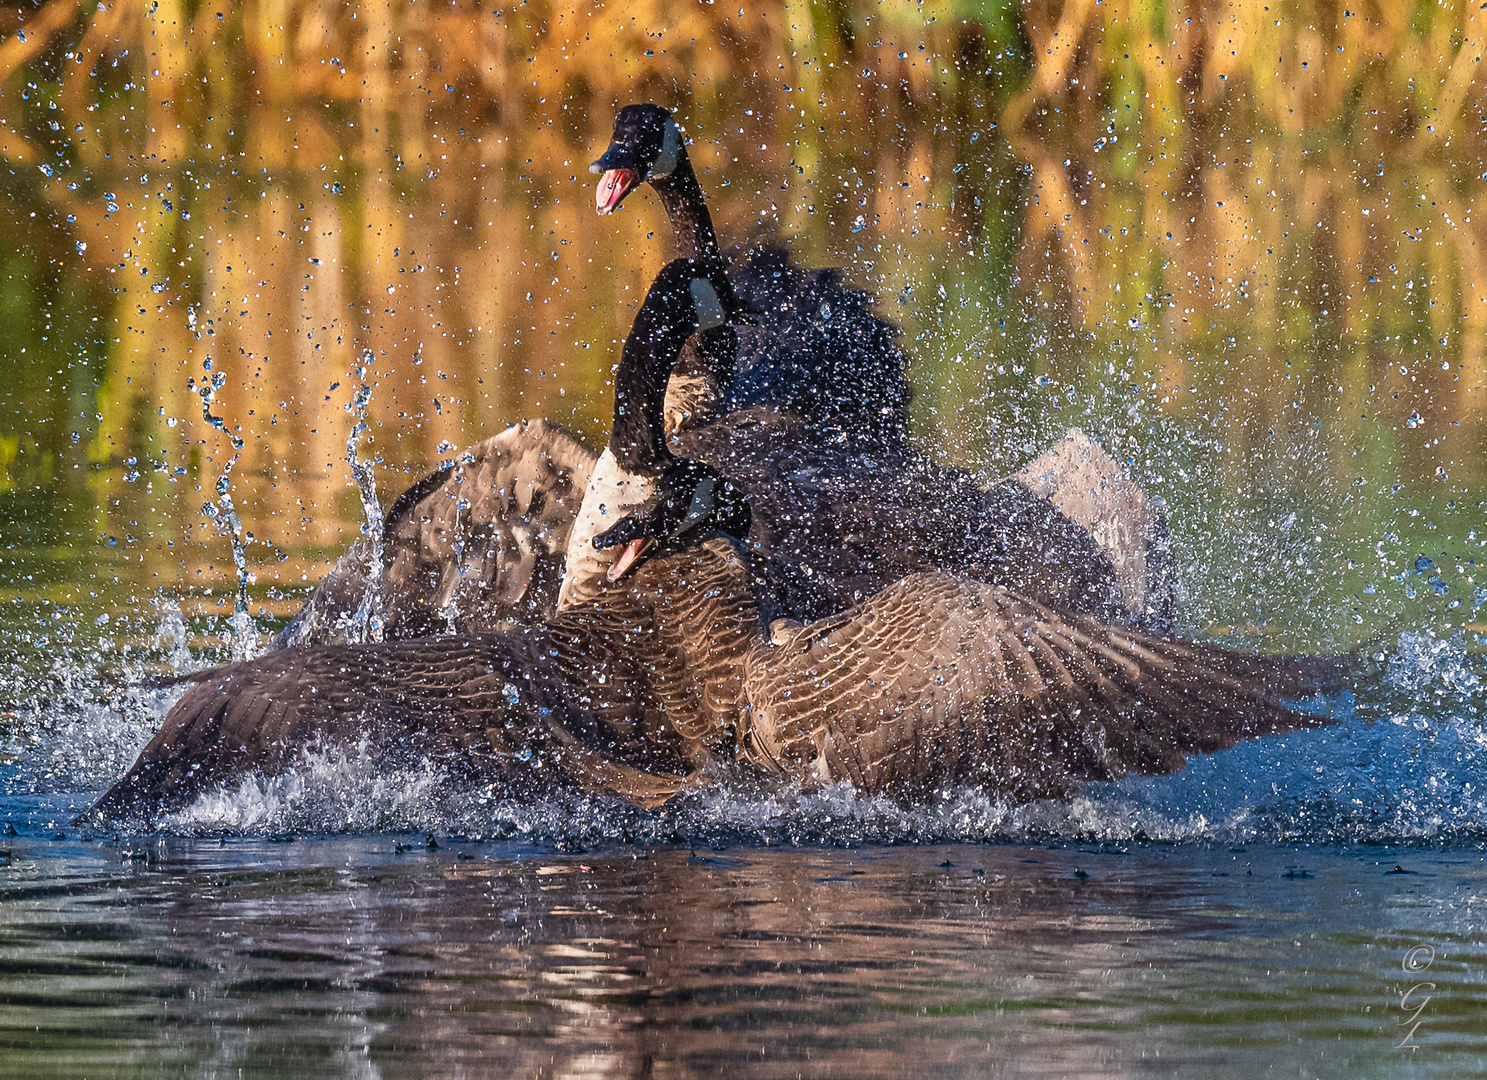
(813, 347)
(569, 703)
(667, 670)
(829, 525)
(478, 544)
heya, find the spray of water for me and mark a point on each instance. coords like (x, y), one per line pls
(367, 625)
(242, 630)
(1406, 766)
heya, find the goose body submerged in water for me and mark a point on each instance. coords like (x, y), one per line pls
(805, 403)
(670, 666)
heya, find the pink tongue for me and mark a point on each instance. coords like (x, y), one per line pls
(614, 185)
(629, 557)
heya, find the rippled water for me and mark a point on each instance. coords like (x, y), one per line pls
(347, 958)
(1265, 912)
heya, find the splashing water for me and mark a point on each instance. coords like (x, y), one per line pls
(172, 635)
(243, 631)
(1407, 765)
(77, 721)
(367, 624)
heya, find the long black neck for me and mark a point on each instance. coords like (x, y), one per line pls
(681, 195)
(637, 437)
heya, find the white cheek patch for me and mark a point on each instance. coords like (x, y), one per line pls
(671, 152)
(705, 303)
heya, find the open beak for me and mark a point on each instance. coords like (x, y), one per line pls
(632, 553)
(614, 185)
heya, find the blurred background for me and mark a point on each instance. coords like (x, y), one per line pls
(1239, 243)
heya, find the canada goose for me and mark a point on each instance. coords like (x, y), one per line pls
(811, 377)
(814, 346)
(815, 349)
(934, 680)
(664, 666)
(569, 695)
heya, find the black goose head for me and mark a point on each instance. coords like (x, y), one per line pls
(691, 500)
(647, 145)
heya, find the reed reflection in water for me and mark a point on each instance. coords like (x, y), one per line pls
(1239, 245)
(341, 959)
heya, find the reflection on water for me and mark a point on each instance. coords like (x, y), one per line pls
(1242, 249)
(343, 959)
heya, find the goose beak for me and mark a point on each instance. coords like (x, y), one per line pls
(614, 185)
(629, 557)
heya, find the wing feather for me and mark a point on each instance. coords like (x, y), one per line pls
(481, 539)
(939, 678)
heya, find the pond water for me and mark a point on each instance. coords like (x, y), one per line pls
(347, 957)
(1242, 250)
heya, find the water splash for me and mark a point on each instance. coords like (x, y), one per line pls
(332, 789)
(172, 636)
(368, 622)
(1391, 773)
(77, 708)
(1409, 764)
(242, 630)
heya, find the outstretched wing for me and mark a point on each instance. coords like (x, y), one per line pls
(481, 540)
(938, 679)
(1078, 477)
(624, 695)
(489, 708)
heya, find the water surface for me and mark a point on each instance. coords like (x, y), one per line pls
(1240, 247)
(326, 957)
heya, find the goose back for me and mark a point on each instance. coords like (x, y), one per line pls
(816, 349)
(832, 525)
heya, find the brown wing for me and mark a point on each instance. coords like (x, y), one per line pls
(481, 539)
(623, 695)
(1089, 488)
(490, 708)
(938, 679)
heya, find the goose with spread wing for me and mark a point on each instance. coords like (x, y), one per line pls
(670, 664)
(572, 703)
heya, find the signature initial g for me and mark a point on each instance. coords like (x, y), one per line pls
(1406, 1003)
